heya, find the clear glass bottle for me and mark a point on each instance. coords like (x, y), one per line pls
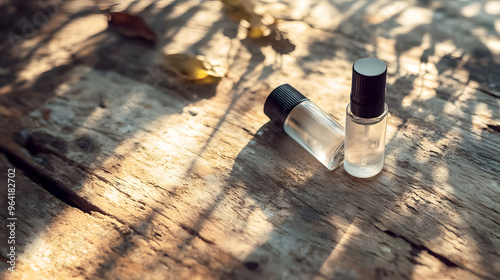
(364, 144)
(307, 124)
(366, 119)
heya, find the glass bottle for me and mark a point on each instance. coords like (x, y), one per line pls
(307, 124)
(366, 119)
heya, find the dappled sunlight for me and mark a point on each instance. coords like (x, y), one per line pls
(423, 86)
(64, 241)
(481, 114)
(380, 12)
(411, 18)
(113, 195)
(483, 111)
(341, 249)
(492, 7)
(82, 30)
(447, 47)
(198, 37)
(191, 180)
(326, 15)
(471, 10)
(441, 176)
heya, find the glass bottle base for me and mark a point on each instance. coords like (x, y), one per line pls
(363, 171)
(337, 158)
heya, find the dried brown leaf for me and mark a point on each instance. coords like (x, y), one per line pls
(131, 26)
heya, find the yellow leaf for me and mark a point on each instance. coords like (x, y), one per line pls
(208, 80)
(258, 31)
(197, 69)
(255, 32)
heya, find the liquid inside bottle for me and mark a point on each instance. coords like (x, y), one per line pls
(317, 132)
(364, 144)
(307, 124)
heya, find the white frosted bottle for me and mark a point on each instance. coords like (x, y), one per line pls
(366, 119)
(307, 124)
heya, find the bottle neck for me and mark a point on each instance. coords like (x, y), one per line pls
(367, 108)
(358, 119)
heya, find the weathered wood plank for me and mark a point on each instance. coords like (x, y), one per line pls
(209, 190)
(53, 239)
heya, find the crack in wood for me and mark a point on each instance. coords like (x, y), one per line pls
(416, 249)
(40, 180)
(494, 127)
(52, 186)
(195, 233)
(489, 92)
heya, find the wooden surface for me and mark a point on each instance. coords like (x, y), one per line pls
(124, 171)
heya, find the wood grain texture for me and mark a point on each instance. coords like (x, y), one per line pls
(53, 239)
(173, 180)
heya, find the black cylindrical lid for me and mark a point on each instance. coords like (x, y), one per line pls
(281, 101)
(368, 87)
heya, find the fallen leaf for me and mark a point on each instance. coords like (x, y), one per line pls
(261, 27)
(258, 31)
(196, 69)
(131, 26)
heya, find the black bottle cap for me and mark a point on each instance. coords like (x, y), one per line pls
(368, 87)
(281, 101)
